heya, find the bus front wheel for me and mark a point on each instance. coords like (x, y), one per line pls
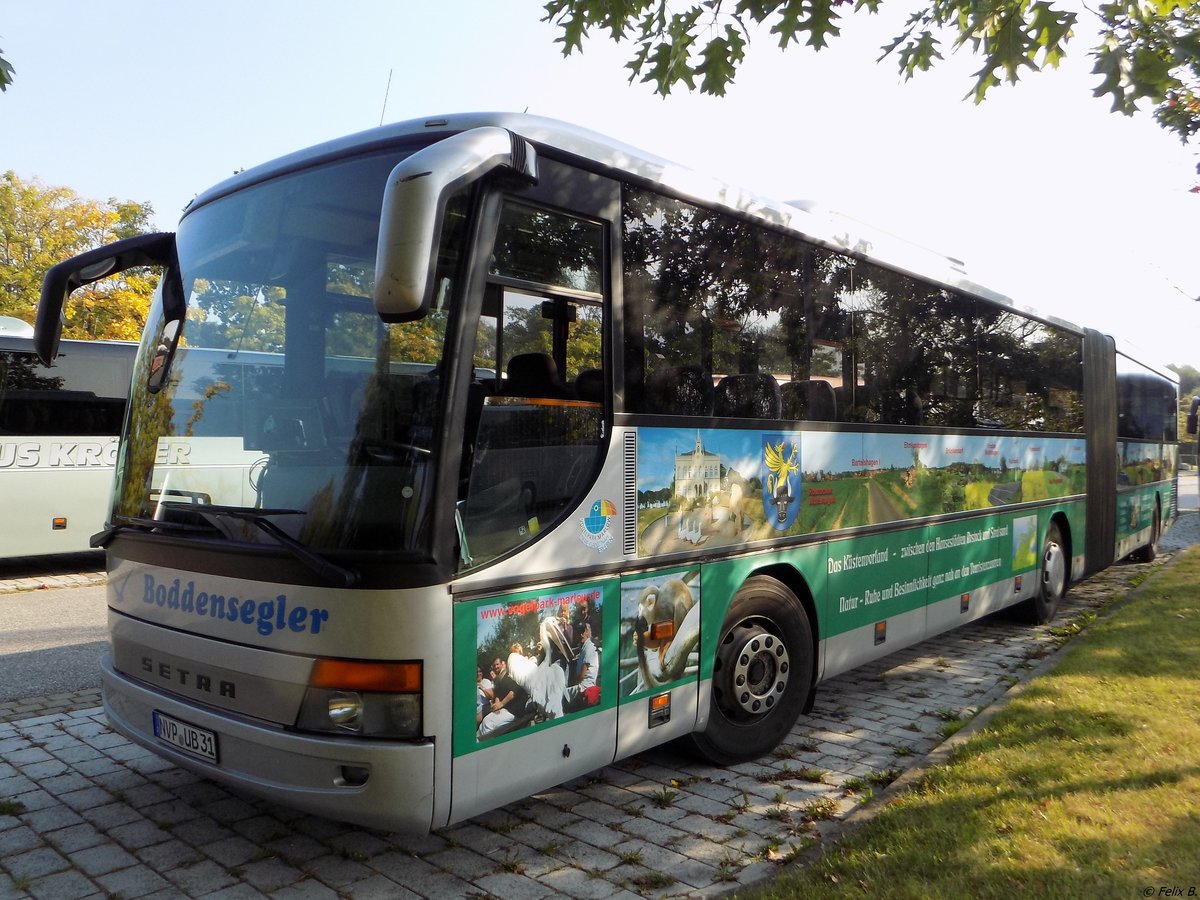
(762, 673)
(1052, 578)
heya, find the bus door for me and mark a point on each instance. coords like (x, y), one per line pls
(535, 668)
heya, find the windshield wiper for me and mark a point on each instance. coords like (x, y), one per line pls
(330, 571)
(139, 523)
(327, 569)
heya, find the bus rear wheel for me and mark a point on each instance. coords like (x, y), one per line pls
(762, 673)
(1052, 578)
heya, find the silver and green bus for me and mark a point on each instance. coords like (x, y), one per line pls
(568, 452)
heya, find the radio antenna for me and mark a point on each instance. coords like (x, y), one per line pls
(386, 91)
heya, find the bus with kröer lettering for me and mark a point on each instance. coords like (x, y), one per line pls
(59, 426)
(564, 452)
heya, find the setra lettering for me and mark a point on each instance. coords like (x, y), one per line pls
(197, 681)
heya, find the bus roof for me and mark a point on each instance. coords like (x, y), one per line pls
(825, 226)
(10, 325)
(24, 343)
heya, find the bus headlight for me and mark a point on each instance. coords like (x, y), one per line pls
(363, 698)
(345, 710)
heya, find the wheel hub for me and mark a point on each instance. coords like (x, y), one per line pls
(759, 672)
(1054, 570)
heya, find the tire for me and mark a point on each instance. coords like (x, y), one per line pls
(1052, 574)
(762, 674)
(1149, 552)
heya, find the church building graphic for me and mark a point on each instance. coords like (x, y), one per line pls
(703, 499)
(697, 472)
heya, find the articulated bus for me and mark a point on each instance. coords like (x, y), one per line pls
(58, 439)
(565, 452)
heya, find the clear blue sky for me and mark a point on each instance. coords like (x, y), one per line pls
(1047, 197)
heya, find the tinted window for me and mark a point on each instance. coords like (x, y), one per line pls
(541, 247)
(83, 393)
(1147, 406)
(730, 319)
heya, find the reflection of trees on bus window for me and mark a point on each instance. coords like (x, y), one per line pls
(529, 327)
(544, 297)
(148, 419)
(83, 393)
(709, 296)
(547, 248)
(237, 316)
(21, 372)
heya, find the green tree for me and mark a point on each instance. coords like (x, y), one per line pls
(6, 72)
(41, 226)
(1189, 386)
(1144, 51)
(1189, 379)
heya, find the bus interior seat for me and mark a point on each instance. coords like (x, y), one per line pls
(822, 401)
(679, 390)
(813, 401)
(753, 395)
(914, 408)
(589, 385)
(533, 375)
(425, 395)
(793, 397)
(425, 402)
(477, 394)
(342, 401)
(285, 425)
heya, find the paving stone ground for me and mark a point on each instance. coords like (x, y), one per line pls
(84, 813)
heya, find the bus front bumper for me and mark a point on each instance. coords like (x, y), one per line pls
(319, 775)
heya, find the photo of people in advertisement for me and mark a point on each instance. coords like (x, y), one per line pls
(660, 631)
(538, 660)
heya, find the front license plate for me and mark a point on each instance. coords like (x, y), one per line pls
(188, 738)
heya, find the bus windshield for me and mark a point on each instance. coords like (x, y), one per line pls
(291, 413)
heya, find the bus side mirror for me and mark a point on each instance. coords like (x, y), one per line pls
(414, 208)
(74, 273)
(164, 353)
(1192, 416)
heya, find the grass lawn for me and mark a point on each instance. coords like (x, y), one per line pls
(1086, 785)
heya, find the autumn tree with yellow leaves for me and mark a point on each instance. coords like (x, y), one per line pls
(41, 226)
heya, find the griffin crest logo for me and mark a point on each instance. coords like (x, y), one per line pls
(781, 494)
